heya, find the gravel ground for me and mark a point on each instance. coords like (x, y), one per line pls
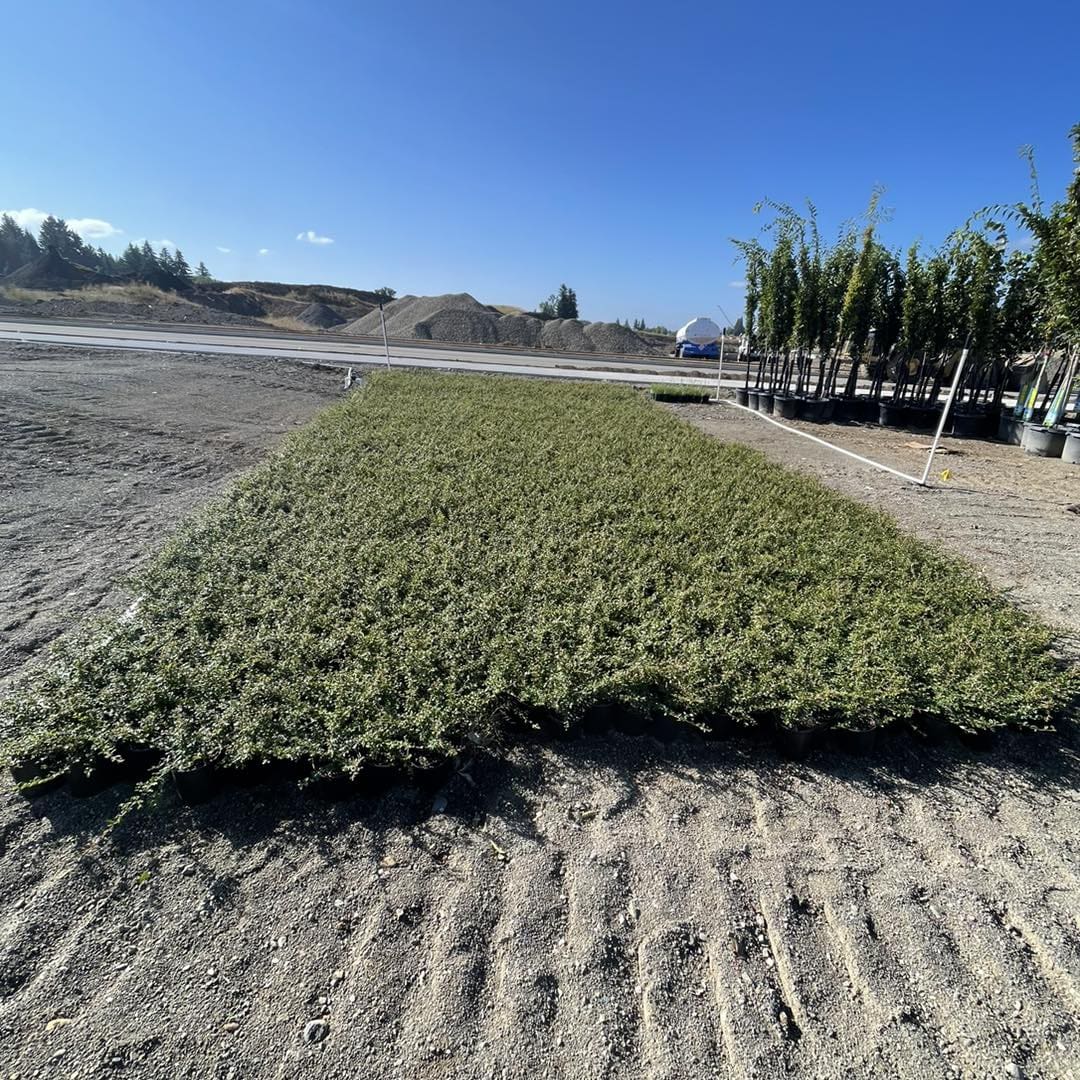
(609, 907)
(169, 310)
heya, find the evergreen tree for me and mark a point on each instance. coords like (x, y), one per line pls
(148, 261)
(566, 303)
(202, 275)
(180, 267)
(166, 261)
(17, 245)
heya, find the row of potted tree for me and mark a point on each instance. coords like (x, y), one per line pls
(853, 330)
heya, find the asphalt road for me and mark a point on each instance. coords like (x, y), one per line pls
(316, 349)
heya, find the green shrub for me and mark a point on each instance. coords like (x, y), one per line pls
(438, 555)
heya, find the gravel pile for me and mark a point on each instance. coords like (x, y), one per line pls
(460, 317)
(320, 315)
(615, 338)
(403, 315)
(520, 330)
(459, 324)
(566, 335)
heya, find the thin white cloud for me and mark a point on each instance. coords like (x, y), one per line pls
(264, 251)
(92, 228)
(29, 219)
(311, 237)
(736, 284)
(224, 250)
(88, 228)
(158, 244)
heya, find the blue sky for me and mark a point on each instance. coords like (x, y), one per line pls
(502, 148)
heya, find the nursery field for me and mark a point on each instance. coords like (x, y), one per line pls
(437, 562)
(603, 907)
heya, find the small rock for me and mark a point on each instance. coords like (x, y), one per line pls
(58, 1022)
(231, 1026)
(1013, 1070)
(388, 861)
(337, 977)
(315, 1031)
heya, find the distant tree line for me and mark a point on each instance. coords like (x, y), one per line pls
(19, 246)
(640, 324)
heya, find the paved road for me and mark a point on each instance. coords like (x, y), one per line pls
(340, 352)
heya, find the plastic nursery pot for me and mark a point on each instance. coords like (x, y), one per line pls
(741, 394)
(846, 409)
(810, 408)
(765, 401)
(892, 414)
(785, 406)
(1009, 429)
(854, 742)
(197, 785)
(37, 779)
(1070, 454)
(752, 397)
(796, 743)
(1043, 441)
(86, 778)
(828, 409)
(969, 425)
(923, 417)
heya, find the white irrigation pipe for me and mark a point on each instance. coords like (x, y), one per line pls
(944, 415)
(386, 346)
(720, 367)
(823, 442)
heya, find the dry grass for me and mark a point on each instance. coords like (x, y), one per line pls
(287, 322)
(132, 293)
(508, 309)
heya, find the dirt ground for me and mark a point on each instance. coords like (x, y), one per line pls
(609, 907)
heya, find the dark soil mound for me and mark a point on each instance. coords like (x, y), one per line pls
(320, 315)
(52, 271)
(236, 301)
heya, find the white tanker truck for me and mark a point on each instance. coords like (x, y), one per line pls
(698, 338)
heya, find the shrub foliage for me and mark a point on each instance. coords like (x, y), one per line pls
(439, 555)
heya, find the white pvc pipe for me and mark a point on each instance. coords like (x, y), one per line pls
(386, 347)
(823, 442)
(720, 367)
(944, 415)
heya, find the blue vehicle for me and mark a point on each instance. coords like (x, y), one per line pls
(688, 349)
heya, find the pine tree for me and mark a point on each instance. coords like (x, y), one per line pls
(180, 267)
(202, 274)
(166, 261)
(17, 245)
(566, 303)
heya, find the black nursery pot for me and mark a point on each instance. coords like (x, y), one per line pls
(785, 406)
(923, 417)
(969, 424)
(752, 397)
(765, 401)
(810, 409)
(1010, 429)
(892, 414)
(854, 742)
(828, 410)
(796, 743)
(196, 785)
(86, 778)
(846, 409)
(37, 779)
(741, 394)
